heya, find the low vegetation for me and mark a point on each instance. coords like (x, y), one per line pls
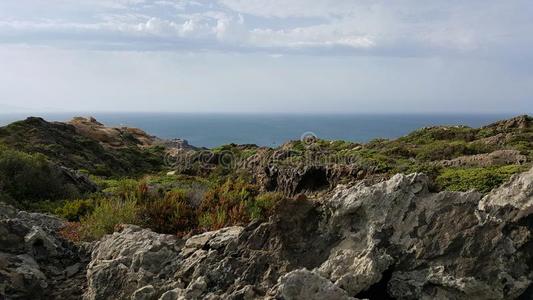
(26, 179)
(479, 179)
(133, 185)
(194, 206)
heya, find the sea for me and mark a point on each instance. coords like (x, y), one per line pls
(215, 129)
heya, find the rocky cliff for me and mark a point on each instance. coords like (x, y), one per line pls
(391, 240)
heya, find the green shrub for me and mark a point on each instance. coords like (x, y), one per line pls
(107, 214)
(27, 178)
(227, 204)
(480, 179)
(75, 209)
(173, 214)
(213, 220)
(263, 205)
(441, 150)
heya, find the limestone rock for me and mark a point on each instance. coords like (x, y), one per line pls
(518, 193)
(305, 285)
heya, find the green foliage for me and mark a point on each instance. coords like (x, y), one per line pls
(442, 133)
(107, 214)
(212, 220)
(480, 179)
(172, 215)
(76, 209)
(264, 205)
(441, 150)
(231, 197)
(27, 178)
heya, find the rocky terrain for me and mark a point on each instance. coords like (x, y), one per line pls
(99, 212)
(390, 240)
(35, 262)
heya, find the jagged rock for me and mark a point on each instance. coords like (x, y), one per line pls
(214, 239)
(519, 122)
(41, 244)
(292, 180)
(391, 239)
(127, 261)
(177, 144)
(36, 263)
(518, 192)
(81, 181)
(305, 285)
(355, 271)
(144, 293)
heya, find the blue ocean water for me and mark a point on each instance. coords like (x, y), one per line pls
(211, 130)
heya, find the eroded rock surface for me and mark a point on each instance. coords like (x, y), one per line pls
(393, 239)
(36, 263)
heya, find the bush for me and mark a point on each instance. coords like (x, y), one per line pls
(264, 205)
(173, 214)
(213, 220)
(107, 214)
(27, 178)
(480, 179)
(227, 204)
(74, 210)
(442, 150)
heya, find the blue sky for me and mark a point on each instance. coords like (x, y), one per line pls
(266, 56)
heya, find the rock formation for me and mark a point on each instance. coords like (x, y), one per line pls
(390, 240)
(393, 239)
(111, 136)
(35, 262)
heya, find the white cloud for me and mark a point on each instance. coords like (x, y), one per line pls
(399, 28)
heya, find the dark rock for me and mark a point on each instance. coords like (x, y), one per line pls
(34, 259)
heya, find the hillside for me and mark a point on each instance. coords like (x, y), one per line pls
(83, 145)
(312, 219)
(456, 158)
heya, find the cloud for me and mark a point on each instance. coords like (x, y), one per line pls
(325, 27)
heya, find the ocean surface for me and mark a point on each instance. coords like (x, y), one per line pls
(211, 130)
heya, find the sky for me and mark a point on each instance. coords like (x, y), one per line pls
(295, 56)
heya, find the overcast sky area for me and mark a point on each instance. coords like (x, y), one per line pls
(298, 56)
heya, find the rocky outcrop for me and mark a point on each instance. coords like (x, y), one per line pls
(496, 158)
(313, 174)
(399, 238)
(394, 239)
(81, 181)
(36, 263)
(519, 122)
(111, 136)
